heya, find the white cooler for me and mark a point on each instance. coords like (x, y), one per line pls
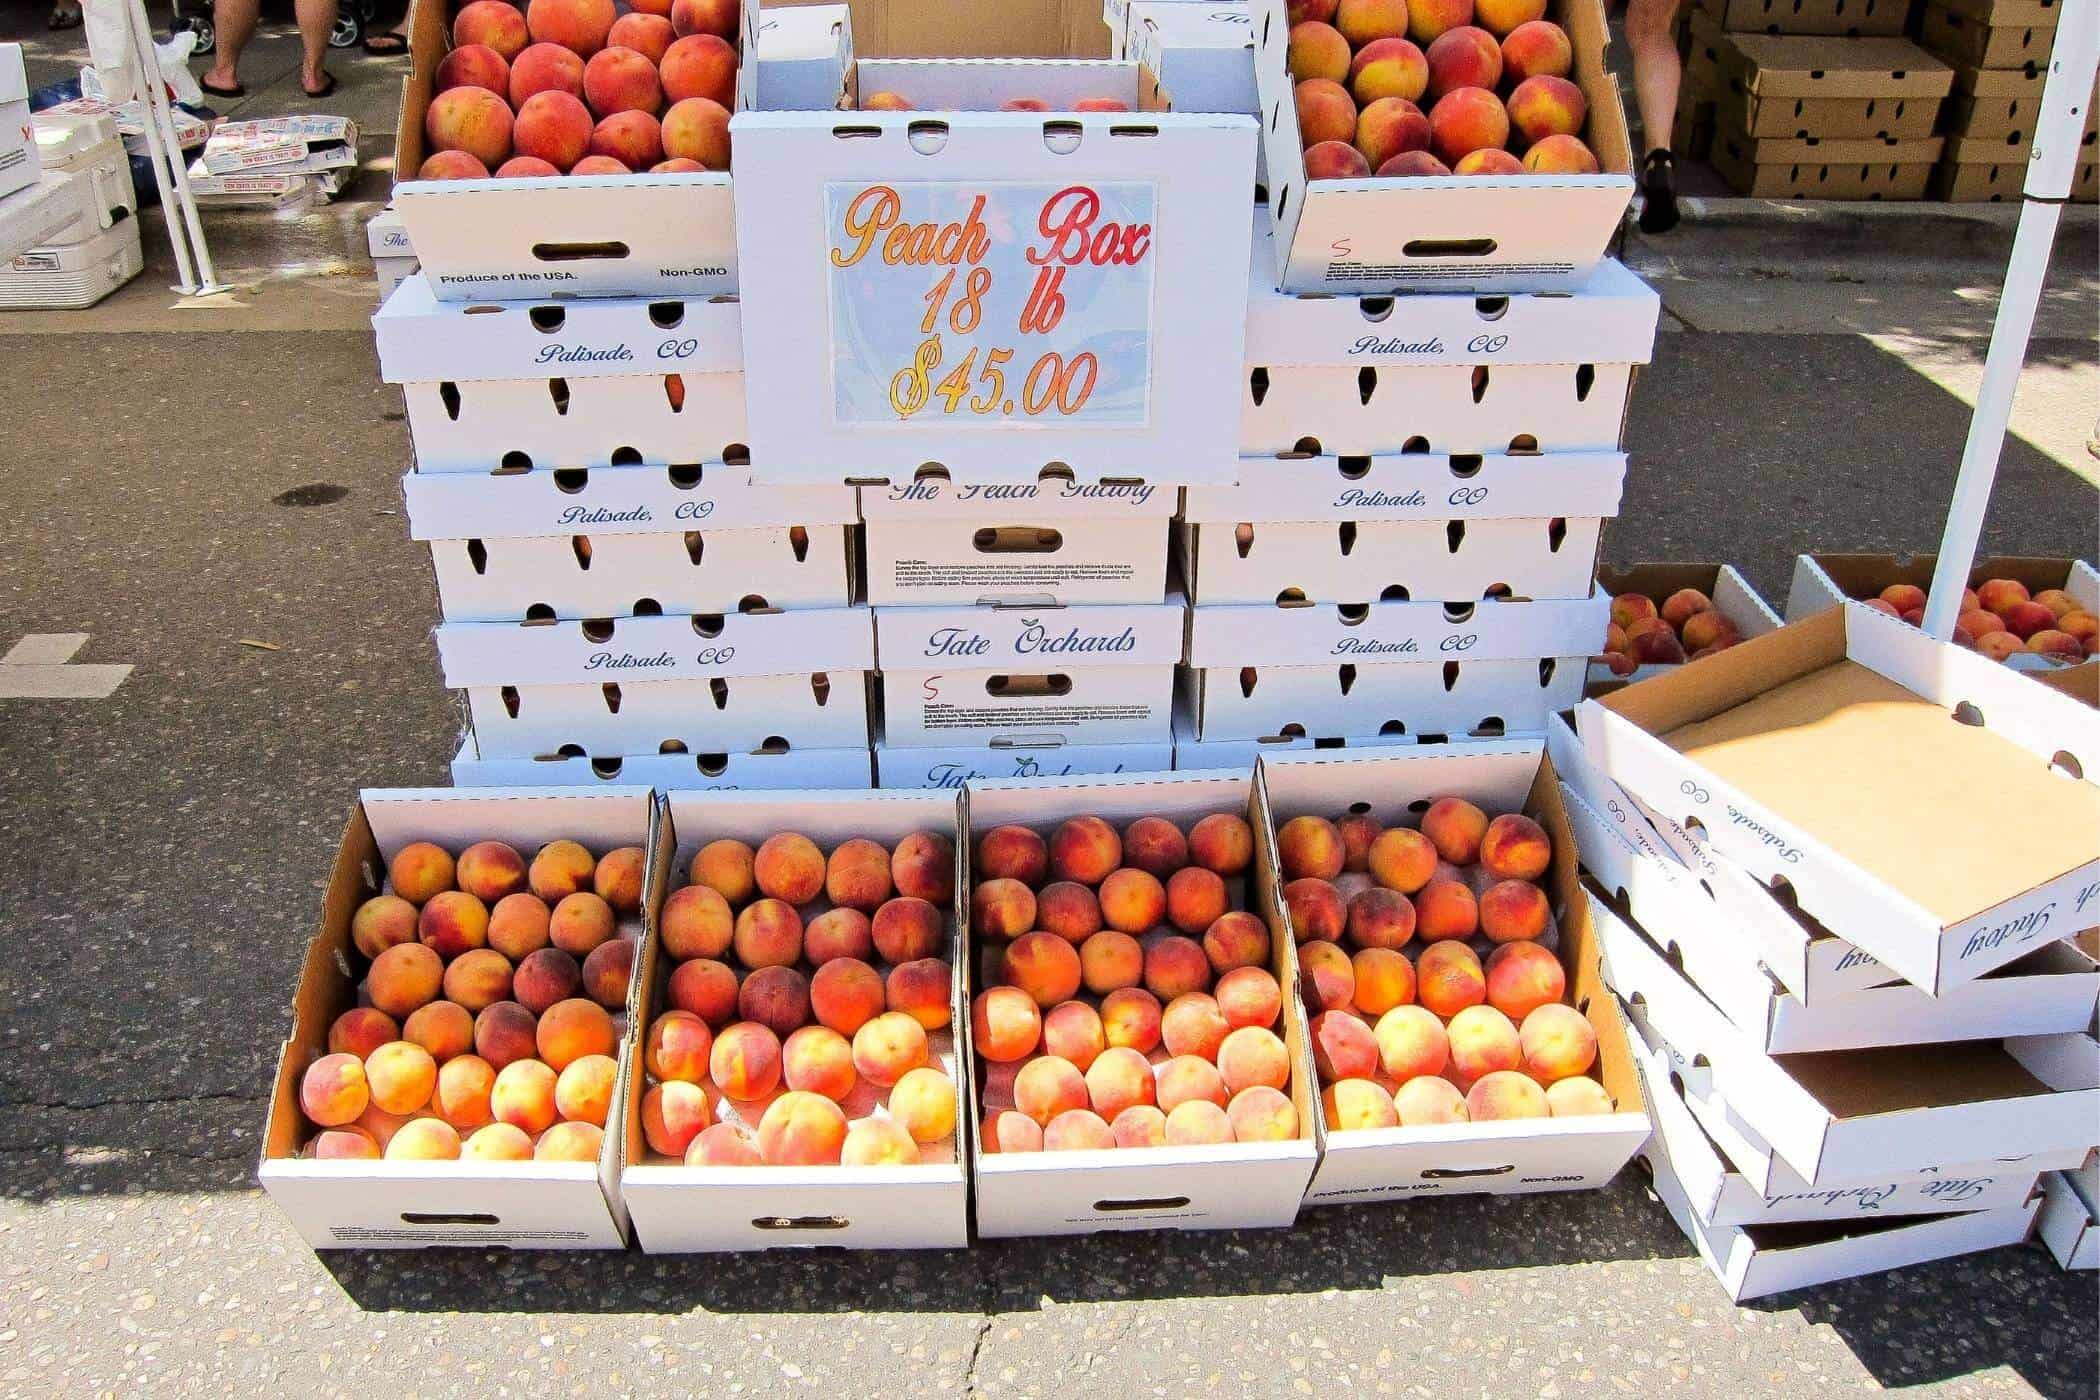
(87, 146)
(68, 276)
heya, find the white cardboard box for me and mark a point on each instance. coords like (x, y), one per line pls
(421, 1205)
(19, 165)
(954, 767)
(756, 769)
(1089, 674)
(2068, 1227)
(1055, 540)
(682, 1209)
(1877, 686)
(712, 717)
(1214, 754)
(49, 206)
(1234, 1186)
(701, 647)
(1474, 233)
(1203, 55)
(1825, 580)
(1399, 702)
(1550, 1154)
(1732, 595)
(803, 54)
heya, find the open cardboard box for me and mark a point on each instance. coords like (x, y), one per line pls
(2069, 1223)
(1231, 1186)
(1732, 595)
(419, 1205)
(686, 1209)
(2000, 34)
(1921, 801)
(765, 768)
(1496, 233)
(954, 766)
(1545, 1154)
(1824, 580)
(1841, 1115)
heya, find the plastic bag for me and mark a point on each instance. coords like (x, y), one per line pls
(109, 74)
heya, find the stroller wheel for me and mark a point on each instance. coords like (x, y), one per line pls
(349, 30)
(207, 33)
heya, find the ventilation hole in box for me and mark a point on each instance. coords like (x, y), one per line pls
(558, 392)
(1523, 445)
(669, 746)
(1696, 829)
(1480, 382)
(509, 694)
(1454, 535)
(1331, 742)
(1257, 386)
(1243, 538)
(927, 137)
(707, 625)
(448, 395)
(1016, 539)
(1419, 805)
(1489, 728)
(1432, 738)
(1027, 686)
(1057, 471)
(752, 604)
(607, 768)
(1290, 732)
(1248, 678)
(1498, 592)
(798, 543)
(1353, 468)
(1307, 446)
(1417, 443)
(1466, 465)
(1345, 537)
(695, 546)
(611, 691)
(570, 480)
(580, 546)
(686, 477)
(626, 457)
(772, 744)
(1061, 138)
(1450, 676)
(1366, 383)
(711, 765)
(1585, 376)
(1375, 309)
(1490, 308)
(851, 133)
(1292, 598)
(1547, 666)
(598, 629)
(1283, 202)
(566, 751)
(674, 392)
(546, 319)
(736, 454)
(478, 556)
(718, 691)
(1966, 713)
(539, 615)
(516, 461)
(647, 607)
(2065, 762)
(1392, 729)
(666, 315)
(1393, 593)
(1458, 612)
(820, 688)
(1556, 533)
(1352, 614)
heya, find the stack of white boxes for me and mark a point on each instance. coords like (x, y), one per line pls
(1847, 945)
(68, 231)
(620, 602)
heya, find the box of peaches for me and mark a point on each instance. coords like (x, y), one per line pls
(1459, 1025)
(1663, 615)
(2033, 614)
(452, 1075)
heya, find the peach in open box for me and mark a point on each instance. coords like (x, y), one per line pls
(1446, 1090)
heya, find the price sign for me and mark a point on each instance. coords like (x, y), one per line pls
(990, 304)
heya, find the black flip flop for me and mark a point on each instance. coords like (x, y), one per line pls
(65, 17)
(387, 45)
(321, 92)
(226, 92)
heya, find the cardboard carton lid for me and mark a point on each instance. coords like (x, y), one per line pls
(1803, 65)
(994, 636)
(14, 78)
(1923, 150)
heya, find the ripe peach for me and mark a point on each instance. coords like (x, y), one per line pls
(1362, 21)
(1193, 1025)
(1411, 163)
(442, 1028)
(523, 1096)
(845, 994)
(1262, 1113)
(1653, 642)
(857, 875)
(725, 866)
(1343, 1046)
(1903, 597)
(1317, 50)
(677, 1047)
(1513, 911)
(1999, 645)
(801, 1129)
(878, 1142)
(2055, 600)
(580, 923)
(1072, 1031)
(921, 990)
(519, 924)
(1358, 1103)
(559, 868)
(887, 1046)
(673, 1114)
(506, 1033)
(618, 878)
(361, 1030)
(923, 1103)
(1012, 853)
(1505, 1094)
(1428, 1099)
(495, 23)
(1109, 960)
(1044, 966)
(478, 978)
(1536, 47)
(696, 923)
(718, 17)
(1464, 57)
(1086, 849)
(724, 1145)
(1326, 112)
(1077, 1130)
(790, 868)
(1069, 910)
(1685, 601)
(420, 870)
(1448, 978)
(1560, 155)
(775, 997)
(1483, 1040)
(1002, 908)
(1155, 846)
(1253, 1056)
(490, 870)
(1577, 1097)
(648, 35)
(1222, 842)
(334, 1091)
(2059, 646)
(1133, 901)
(1310, 847)
(2023, 620)
(1384, 979)
(1195, 899)
(1381, 918)
(1558, 1043)
(768, 934)
(1186, 1078)
(342, 1145)
(1174, 964)
(1500, 17)
(2081, 625)
(1446, 909)
(1455, 827)
(838, 933)
(579, 25)
(379, 1125)
(1522, 976)
(745, 1061)
(1547, 106)
(1514, 847)
(1198, 1123)
(549, 68)
(424, 1140)
(1411, 1042)
(1048, 1086)
(1234, 940)
(1130, 1016)
(706, 988)
(1629, 608)
(1326, 977)
(452, 922)
(1402, 859)
(886, 102)
(571, 1029)
(1248, 996)
(381, 922)
(1008, 1131)
(470, 119)
(497, 1142)
(404, 977)
(583, 1092)
(906, 929)
(1316, 910)
(1140, 1125)
(818, 1060)
(1119, 1078)
(923, 867)
(1006, 1024)
(1298, 11)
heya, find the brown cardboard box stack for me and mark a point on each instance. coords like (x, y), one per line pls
(2000, 52)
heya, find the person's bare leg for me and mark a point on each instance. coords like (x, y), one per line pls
(1651, 32)
(234, 21)
(316, 19)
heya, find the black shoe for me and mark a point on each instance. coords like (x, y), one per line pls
(1658, 192)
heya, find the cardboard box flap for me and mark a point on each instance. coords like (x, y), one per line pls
(1312, 634)
(506, 503)
(1795, 65)
(1413, 486)
(1027, 29)
(1052, 496)
(14, 79)
(656, 648)
(1001, 636)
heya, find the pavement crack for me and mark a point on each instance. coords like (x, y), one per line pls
(90, 1105)
(984, 1330)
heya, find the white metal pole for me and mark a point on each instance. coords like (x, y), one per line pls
(2052, 164)
(159, 117)
(156, 144)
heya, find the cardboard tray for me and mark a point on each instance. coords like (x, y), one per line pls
(1824, 580)
(2024, 38)
(422, 1205)
(1788, 169)
(1791, 65)
(1550, 1154)
(1847, 753)
(1741, 115)
(1732, 595)
(1847, 18)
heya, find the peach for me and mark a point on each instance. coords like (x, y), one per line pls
(1119, 1078)
(1501, 17)
(334, 1091)
(775, 997)
(1100, 104)
(1133, 901)
(1505, 1094)
(421, 869)
(1009, 1131)
(921, 989)
(2081, 625)
(768, 934)
(790, 868)
(1685, 601)
(725, 866)
(1386, 71)
(745, 1062)
(523, 1096)
(1086, 849)
(442, 1028)
(1447, 909)
(478, 978)
(1155, 846)
(801, 1129)
(1464, 57)
(1482, 1040)
(1629, 608)
(519, 924)
(717, 17)
(2060, 646)
(1557, 1043)
(424, 1140)
(1044, 966)
(1109, 960)
(1298, 11)
(1317, 50)
(569, 1030)
(906, 929)
(580, 923)
(923, 867)
(495, 23)
(452, 922)
(1656, 644)
(677, 1047)
(1140, 1125)
(506, 1033)
(1012, 853)
(724, 1145)
(583, 1091)
(1326, 977)
(1978, 623)
(1262, 1113)
(1535, 48)
(2023, 620)
(1310, 848)
(646, 34)
(1024, 104)
(1005, 1024)
(490, 870)
(1072, 1031)
(1326, 113)
(1253, 1055)
(1514, 847)
(1429, 1099)
(1077, 1130)
(559, 868)
(1521, 977)
(1002, 908)
(361, 1030)
(1448, 978)
(1316, 911)
(1426, 19)
(838, 933)
(1174, 964)
(1186, 1078)
(551, 68)
(1455, 827)
(857, 875)
(1198, 1123)
(886, 102)
(1193, 1025)
(1343, 1046)
(1196, 899)
(1903, 597)
(1358, 1103)
(878, 1142)
(1545, 106)
(845, 994)
(2055, 600)
(818, 1060)
(704, 987)
(1384, 979)
(1411, 1042)
(403, 978)
(1048, 1086)
(1999, 645)
(1412, 163)
(1560, 155)
(673, 1114)
(696, 923)
(1130, 1017)
(1513, 911)
(1362, 21)
(1068, 909)
(1577, 1097)
(578, 25)
(381, 922)
(342, 1145)
(1401, 859)
(923, 1103)
(888, 1046)
(1381, 918)
(470, 119)
(1222, 842)
(1248, 996)
(1234, 940)
(1359, 829)
(497, 1142)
